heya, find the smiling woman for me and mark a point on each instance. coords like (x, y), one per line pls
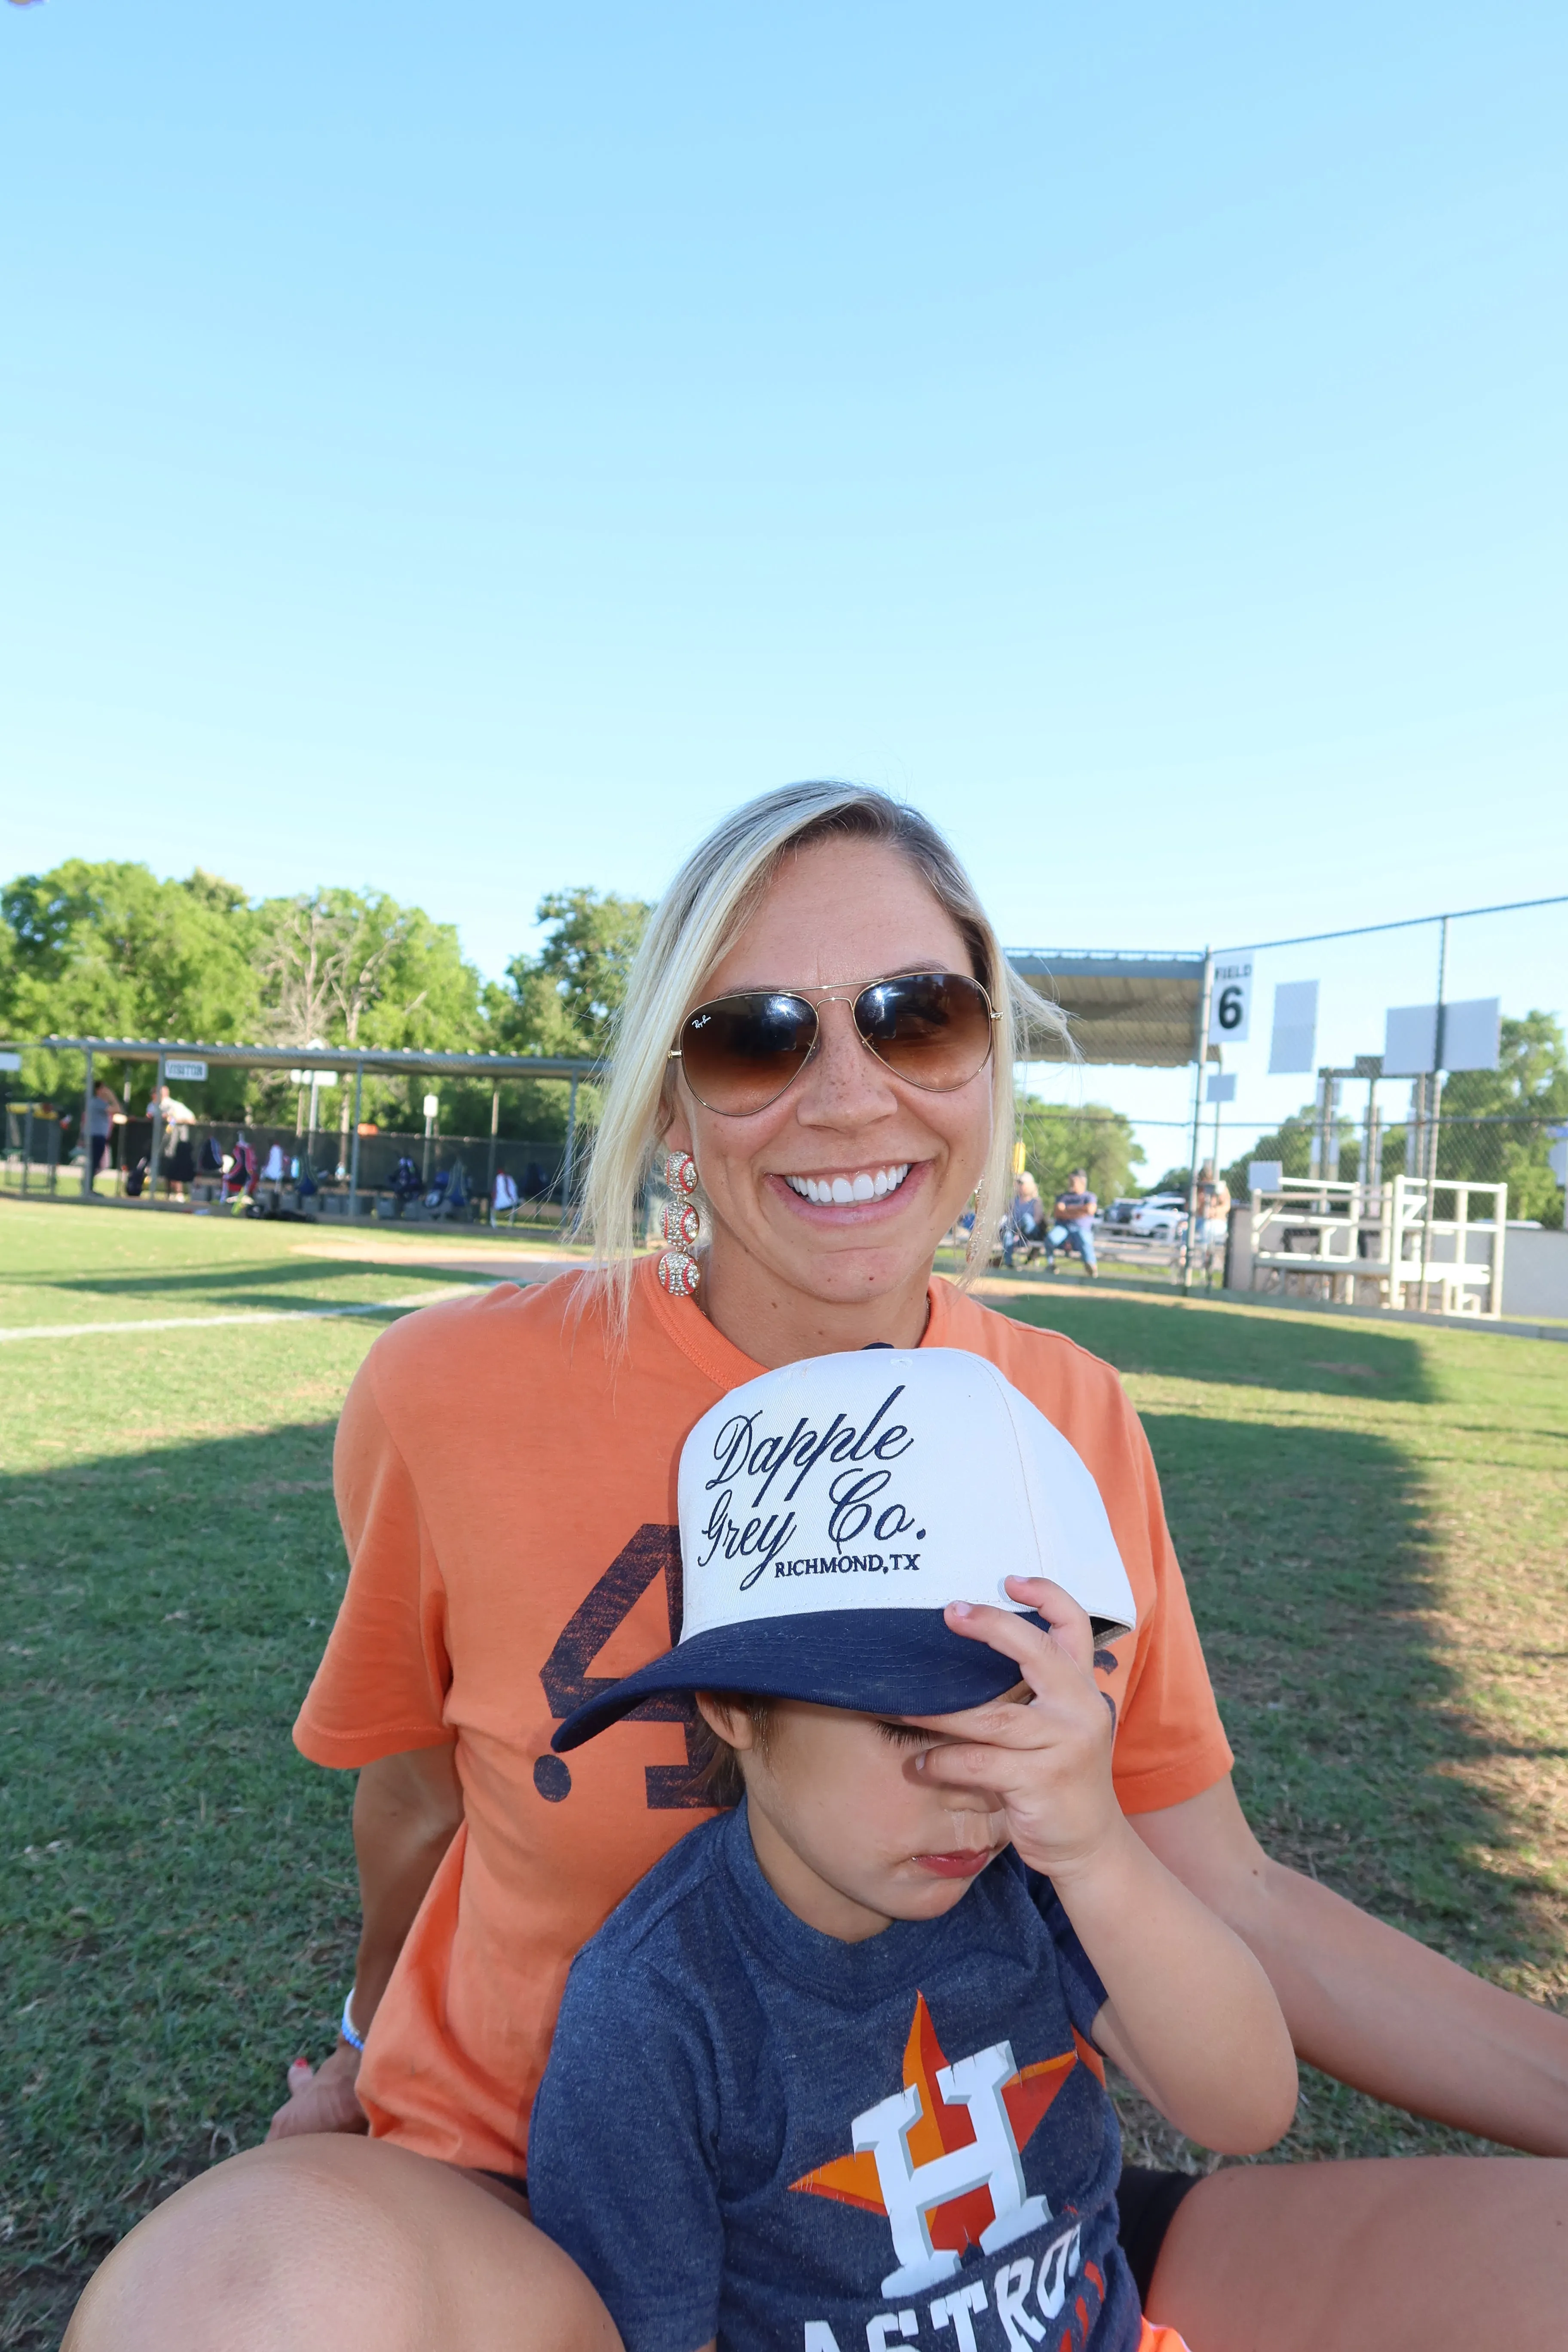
(821, 1020)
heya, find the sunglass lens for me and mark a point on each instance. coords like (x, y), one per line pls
(933, 1029)
(739, 1053)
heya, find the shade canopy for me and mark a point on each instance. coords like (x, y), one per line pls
(1142, 1010)
(386, 1062)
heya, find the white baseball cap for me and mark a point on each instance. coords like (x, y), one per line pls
(831, 1509)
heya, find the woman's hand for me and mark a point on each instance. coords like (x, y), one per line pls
(322, 2098)
(1048, 1763)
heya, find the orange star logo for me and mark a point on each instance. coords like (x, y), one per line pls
(941, 2128)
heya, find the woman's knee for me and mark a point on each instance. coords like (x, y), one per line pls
(329, 2244)
(1369, 2254)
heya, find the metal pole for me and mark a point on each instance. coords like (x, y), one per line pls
(353, 1155)
(28, 1147)
(1188, 1248)
(157, 1134)
(87, 1131)
(1438, 1048)
(567, 1173)
(495, 1130)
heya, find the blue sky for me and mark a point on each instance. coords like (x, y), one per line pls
(465, 451)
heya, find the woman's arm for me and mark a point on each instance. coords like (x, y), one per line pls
(1369, 2005)
(406, 1812)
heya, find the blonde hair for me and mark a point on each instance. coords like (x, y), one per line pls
(694, 924)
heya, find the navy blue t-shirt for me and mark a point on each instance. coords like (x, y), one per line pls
(753, 2133)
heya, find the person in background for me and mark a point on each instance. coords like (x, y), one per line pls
(178, 1120)
(1074, 1225)
(104, 1115)
(1026, 1224)
(503, 1199)
(1213, 1207)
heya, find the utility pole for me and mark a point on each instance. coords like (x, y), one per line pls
(1189, 1252)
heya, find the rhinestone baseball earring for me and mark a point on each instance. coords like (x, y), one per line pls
(678, 1271)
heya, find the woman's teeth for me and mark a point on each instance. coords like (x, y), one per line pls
(866, 1184)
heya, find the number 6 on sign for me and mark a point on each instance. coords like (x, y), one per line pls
(1230, 1007)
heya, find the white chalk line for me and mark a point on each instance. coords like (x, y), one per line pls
(251, 1315)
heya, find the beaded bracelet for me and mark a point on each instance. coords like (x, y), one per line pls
(355, 2041)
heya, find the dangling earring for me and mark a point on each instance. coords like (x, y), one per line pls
(679, 1271)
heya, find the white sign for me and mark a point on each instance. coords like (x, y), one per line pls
(10, 1061)
(1409, 1041)
(313, 1077)
(1231, 1006)
(1222, 1086)
(432, 1105)
(177, 1069)
(1294, 1043)
(1264, 1176)
(1471, 1033)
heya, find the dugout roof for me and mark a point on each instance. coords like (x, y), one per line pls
(1142, 1010)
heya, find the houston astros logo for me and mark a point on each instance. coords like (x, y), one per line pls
(941, 2158)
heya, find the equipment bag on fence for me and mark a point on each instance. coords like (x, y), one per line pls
(210, 1160)
(136, 1180)
(405, 1179)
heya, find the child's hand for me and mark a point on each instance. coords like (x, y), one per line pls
(1047, 1763)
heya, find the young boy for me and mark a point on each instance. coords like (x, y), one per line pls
(830, 2076)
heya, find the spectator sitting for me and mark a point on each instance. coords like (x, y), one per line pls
(1026, 1224)
(1074, 1225)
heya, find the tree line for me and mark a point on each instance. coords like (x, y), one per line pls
(109, 949)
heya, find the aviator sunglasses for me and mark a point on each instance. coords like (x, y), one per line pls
(739, 1053)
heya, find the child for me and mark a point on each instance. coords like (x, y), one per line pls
(830, 2076)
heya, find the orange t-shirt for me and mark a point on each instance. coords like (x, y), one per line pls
(507, 1492)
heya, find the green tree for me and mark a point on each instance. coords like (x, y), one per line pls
(1518, 1101)
(1058, 1138)
(356, 969)
(108, 950)
(564, 1000)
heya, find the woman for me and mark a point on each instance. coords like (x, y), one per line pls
(103, 1117)
(1024, 1228)
(501, 1567)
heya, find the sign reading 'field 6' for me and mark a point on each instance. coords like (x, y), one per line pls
(1231, 1006)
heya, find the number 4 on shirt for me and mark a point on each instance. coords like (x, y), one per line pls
(653, 1551)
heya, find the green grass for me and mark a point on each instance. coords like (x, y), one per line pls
(1370, 1520)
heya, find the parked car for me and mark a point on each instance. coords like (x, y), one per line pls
(1162, 1217)
(1119, 1213)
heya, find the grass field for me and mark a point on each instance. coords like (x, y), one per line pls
(1371, 1521)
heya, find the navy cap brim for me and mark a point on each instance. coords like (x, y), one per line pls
(875, 1660)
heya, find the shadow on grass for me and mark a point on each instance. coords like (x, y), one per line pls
(240, 1282)
(1241, 1349)
(1311, 1570)
(183, 1903)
